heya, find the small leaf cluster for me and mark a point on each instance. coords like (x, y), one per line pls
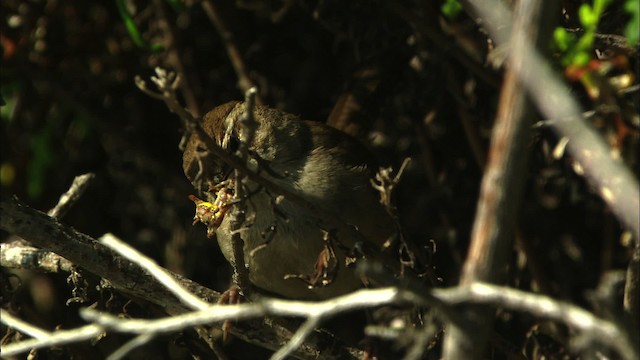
(577, 51)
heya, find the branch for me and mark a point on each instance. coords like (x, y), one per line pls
(68, 199)
(131, 279)
(500, 195)
(591, 329)
(248, 127)
(163, 276)
(22, 326)
(17, 254)
(83, 250)
(611, 178)
(60, 337)
(173, 56)
(631, 301)
(238, 63)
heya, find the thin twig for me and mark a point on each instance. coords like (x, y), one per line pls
(420, 342)
(174, 59)
(18, 254)
(58, 338)
(131, 345)
(244, 81)
(298, 338)
(631, 301)
(167, 82)
(21, 326)
(248, 126)
(160, 274)
(69, 198)
(385, 183)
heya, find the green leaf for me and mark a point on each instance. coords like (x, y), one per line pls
(581, 58)
(156, 48)
(588, 18)
(599, 6)
(632, 30)
(451, 9)
(129, 23)
(563, 39)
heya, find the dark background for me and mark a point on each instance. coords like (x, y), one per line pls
(72, 107)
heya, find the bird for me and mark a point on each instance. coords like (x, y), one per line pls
(288, 251)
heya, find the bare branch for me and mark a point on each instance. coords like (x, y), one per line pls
(68, 199)
(631, 301)
(130, 346)
(19, 325)
(160, 274)
(84, 251)
(16, 255)
(60, 337)
(174, 59)
(608, 176)
(133, 280)
(217, 313)
(298, 338)
(248, 128)
(613, 181)
(500, 196)
(214, 313)
(244, 81)
(591, 329)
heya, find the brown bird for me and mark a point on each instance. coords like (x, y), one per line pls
(286, 250)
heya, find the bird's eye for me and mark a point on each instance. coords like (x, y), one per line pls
(233, 144)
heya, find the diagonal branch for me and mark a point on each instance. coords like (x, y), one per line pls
(609, 177)
(500, 195)
(237, 61)
(131, 279)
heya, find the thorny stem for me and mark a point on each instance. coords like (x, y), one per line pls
(249, 126)
(385, 182)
